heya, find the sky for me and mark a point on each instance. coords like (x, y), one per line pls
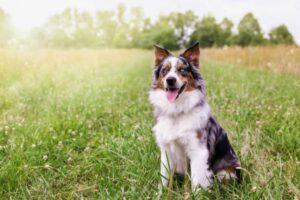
(26, 14)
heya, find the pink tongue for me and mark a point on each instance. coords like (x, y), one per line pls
(171, 95)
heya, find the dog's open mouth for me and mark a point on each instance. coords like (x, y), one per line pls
(173, 93)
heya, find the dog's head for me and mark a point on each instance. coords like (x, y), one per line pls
(176, 75)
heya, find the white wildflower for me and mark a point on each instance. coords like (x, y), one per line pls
(45, 157)
(47, 166)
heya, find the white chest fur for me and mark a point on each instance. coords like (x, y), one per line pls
(181, 127)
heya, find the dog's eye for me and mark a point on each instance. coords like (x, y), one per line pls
(183, 72)
(164, 71)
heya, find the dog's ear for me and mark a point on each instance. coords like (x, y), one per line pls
(160, 54)
(192, 54)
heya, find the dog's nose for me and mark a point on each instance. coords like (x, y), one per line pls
(171, 81)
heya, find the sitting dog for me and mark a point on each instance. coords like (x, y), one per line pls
(189, 137)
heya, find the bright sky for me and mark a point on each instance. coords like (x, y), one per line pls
(26, 14)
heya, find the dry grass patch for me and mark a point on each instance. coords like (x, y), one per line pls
(283, 59)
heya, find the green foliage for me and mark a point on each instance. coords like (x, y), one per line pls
(249, 31)
(165, 37)
(206, 32)
(105, 27)
(163, 34)
(281, 35)
(209, 33)
(58, 29)
(125, 28)
(84, 34)
(181, 23)
(225, 32)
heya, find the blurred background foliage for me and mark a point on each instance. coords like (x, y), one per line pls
(129, 28)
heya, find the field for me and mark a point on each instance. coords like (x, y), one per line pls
(77, 123)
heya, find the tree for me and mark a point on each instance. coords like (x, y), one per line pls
(249, 32)
(281, 35)
(160, 33)
(121, 36)
(59, 29)
(130, 29)
(137, 24)
(225, 32)
(105, 27)
(182, 23)
(206, 32)
(84, 33)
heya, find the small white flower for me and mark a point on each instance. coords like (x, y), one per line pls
(69, 159)
(45, 157)
(47, 166)
(33, 146)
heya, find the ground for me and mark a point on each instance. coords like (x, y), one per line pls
(77, 124)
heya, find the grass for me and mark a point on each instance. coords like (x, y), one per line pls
(77, 124)
(279, 59)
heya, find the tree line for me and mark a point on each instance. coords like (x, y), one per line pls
(129, 28)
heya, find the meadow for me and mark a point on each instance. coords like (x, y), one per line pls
(76, 124)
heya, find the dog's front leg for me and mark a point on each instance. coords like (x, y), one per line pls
(200, 173)
(166, 165)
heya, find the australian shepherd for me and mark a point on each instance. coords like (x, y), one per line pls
(190, 139)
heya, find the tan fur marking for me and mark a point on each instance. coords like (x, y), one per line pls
(189, 79)
(167, 65)
(230, 169)
(199, 135)
(160, 80)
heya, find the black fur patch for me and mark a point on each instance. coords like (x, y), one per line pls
(221, 153)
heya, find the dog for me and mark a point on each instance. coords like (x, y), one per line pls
(190, 139)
